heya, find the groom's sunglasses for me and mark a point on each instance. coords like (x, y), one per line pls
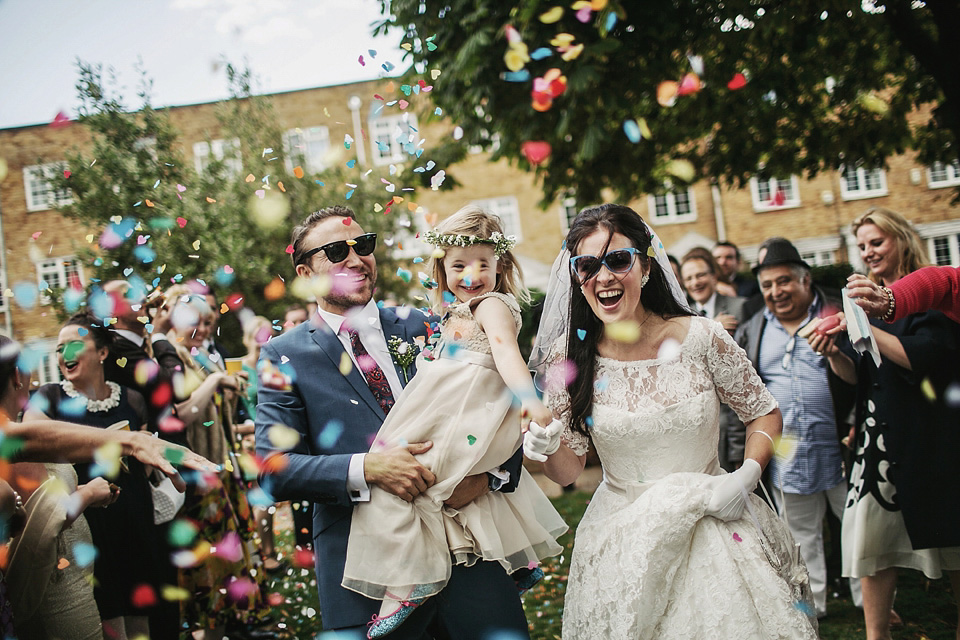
(616, 261)
(339, 250)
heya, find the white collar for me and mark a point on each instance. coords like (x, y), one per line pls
(362, 318)
(710, 306)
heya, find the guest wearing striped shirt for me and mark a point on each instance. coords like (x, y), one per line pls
(813, 400)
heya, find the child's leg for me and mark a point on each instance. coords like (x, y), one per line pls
(394, 609)
(527, 578)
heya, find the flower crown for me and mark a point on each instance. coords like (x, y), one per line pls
(501, 243)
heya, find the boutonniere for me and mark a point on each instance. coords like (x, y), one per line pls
(404, 354)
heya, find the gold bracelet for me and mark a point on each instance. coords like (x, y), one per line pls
(891, 305)
(767, 435)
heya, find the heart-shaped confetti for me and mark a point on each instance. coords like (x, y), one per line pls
(739, 81)
(536, 151)
(121, 362)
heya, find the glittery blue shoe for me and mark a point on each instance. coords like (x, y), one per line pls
(381, 626)
(530, 580)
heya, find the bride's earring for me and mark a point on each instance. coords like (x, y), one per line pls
(644, 280)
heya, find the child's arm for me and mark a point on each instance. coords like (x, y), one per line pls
(497, 322)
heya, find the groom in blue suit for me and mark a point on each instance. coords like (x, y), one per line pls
(337, 416)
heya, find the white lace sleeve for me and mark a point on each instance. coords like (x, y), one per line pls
(737, 382)
(558, 400)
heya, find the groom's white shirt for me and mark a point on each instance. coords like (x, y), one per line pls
(366, 322)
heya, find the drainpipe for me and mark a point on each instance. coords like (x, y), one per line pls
(8, 310)
(354, 103)
(718, 213)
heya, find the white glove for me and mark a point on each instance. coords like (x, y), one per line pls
(540, 442)
(728, 499)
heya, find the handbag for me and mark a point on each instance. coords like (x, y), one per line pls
(167, 501)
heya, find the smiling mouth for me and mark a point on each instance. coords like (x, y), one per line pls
(70, 366)
(609, 298)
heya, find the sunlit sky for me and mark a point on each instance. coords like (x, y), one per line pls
(288, 44)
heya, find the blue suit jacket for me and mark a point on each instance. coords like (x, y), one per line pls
(336, 417)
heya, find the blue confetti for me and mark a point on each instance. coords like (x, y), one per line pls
(387, 66)
(84, 553)
(517, 76)
(349, 194)
(144, 254)
(417, 260)
(330, 434)
(611, 21)
(26, 294)
(581, 333)
(541, 53)
(73, 407)
(438, 111)
(223, 278)
(257, 497)
(632, 129)
(352, 163)
(72, 298)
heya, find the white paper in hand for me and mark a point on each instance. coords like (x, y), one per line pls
(859, 329)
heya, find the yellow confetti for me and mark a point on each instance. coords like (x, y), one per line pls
(644, 128)
(572, 53)
(563, 40)
(174, 593)
(682, 169)
(434, 74)
(121, 362)
(598, 5)
(406, 46)
(210, 200)
(270, 211)
(283, 437)
(928, 391)
(786, 447)
(108, 458)
(90, 238)
(346, 364)
(196, 245)
(551, 16)
(377, 208)
(651, 252)
(624, 331)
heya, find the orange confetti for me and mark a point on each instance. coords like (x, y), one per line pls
(63, 564)
(275, 290)
(223, 307)
(298, 172)
(280, 184)
(275, 463)
(210, 200)
(250, 178)
(4, 556)
(147, 202)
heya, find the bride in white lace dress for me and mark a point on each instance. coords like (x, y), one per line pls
(670, 547)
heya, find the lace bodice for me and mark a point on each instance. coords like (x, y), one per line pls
(656, 417)
(460, 328)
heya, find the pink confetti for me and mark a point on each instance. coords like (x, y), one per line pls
(736, 536)
(66, 173)
(181, 188)
(60, 120)
(182, 222)
(362, 63)
(289, 249)
(36, 234)
(583, 15)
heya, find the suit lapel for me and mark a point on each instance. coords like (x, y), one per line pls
(392, 327)
(333, 348)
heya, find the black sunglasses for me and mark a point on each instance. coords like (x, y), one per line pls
(339, 250)
(617, 261)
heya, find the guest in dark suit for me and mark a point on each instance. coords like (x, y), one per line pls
(699, 271)
(336, 416)
(727, 256)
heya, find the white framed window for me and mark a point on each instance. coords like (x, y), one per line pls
(394, 138)
(818, 258)
(41, 196)
(507, 208)
(773, 194)
(568, 211)
(58, 273)
(307, 148)
(859, 183)
(672, 207)
(43, 354)
(940, 175)
(227, 151)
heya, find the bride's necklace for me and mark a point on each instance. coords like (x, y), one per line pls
(95, 406)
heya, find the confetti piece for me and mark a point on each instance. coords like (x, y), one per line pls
(437, 179)
(739, 81)
(667, 93)
(627, 331)
(84, 553)
(275, 290)
(632, 129)
(682, 169)
(67, 174)
(514, 76)
(536, 151)
(736, 536)
(471, 440)
(872, 102)
(283, 437)
(581, 333)
(229, 548)
(611, 21)
(63, 564)
(552, 16)
(60, 120)
(121, 362)
(182, 222)
(143, 596)
(330, 434)
(928, 391)
(172, 594)
(690, 84)
(404, 274)
(298, 171)
(541, 53)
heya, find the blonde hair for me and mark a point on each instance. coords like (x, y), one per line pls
(471, 220)
(912, 254)
(251, 329)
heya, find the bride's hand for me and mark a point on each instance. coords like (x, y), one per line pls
(542, 442)
(728, 500)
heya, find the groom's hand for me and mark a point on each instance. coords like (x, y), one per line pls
(469, 489)
(398, 472)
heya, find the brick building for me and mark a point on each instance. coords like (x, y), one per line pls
(37, 245)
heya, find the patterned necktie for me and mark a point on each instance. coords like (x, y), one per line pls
(372, 373)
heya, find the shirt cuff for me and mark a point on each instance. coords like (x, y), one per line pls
(356, 484)
(498, 478)
(157, 337)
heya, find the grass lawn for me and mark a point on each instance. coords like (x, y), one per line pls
(926, 606)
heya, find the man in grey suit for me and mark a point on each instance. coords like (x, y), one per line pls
(699, 271)
(336, 408)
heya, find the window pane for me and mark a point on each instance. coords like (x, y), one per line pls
(872, 180)
(763, 191)
(681, 203)
(850, 179)
(941, 251)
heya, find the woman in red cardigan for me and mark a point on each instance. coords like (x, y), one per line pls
(936, 288)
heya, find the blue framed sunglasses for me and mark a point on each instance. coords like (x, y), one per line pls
(616, 261)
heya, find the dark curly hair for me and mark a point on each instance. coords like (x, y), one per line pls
(656, 297)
